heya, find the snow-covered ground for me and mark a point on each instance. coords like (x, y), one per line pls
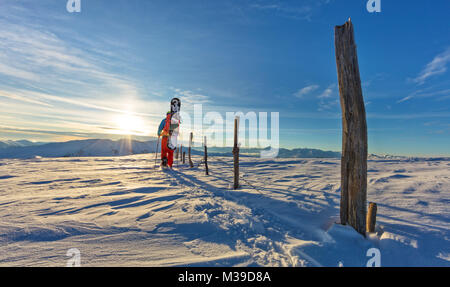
(120, 211)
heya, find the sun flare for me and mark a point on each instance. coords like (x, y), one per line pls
(129, 124)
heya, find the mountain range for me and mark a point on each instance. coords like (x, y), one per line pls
(124, 147)
(19, 143)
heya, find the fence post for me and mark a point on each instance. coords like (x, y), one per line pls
(206, 159)
(371, 217)
(236, 153)
(354, 131)
(191, 164)
(181, 153)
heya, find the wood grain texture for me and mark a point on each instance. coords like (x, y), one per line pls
(354, 136)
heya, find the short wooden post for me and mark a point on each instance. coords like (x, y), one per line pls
(236, 153)
(371, 217)
(206, 159)
(176, 153)
(354, 131)
(184, 157)
(191, 164)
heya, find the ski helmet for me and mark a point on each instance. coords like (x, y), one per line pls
(175, 105)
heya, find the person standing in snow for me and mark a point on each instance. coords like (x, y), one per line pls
(169, 130)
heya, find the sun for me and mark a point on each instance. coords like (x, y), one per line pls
(129, 124)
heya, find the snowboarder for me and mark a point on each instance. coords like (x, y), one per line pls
(169, 130)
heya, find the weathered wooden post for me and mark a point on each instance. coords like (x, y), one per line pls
(354, 131)
(206, 159)
(371, 217)
(191, 164)
(236, 153)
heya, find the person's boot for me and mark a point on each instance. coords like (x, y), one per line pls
(164, 162)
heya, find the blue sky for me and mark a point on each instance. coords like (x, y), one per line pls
(113, 68)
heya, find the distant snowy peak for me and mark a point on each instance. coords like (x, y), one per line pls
(387, 157)
(80, 148)
(19, 143)
(308, 153)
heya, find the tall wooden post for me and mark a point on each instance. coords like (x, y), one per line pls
(206, 158)
(236, 153)
(176, 153)
(184, 157)
(354, 131)
(191, 164)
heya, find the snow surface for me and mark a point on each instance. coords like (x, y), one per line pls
(120, 211)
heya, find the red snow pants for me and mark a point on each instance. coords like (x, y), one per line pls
(166, 152)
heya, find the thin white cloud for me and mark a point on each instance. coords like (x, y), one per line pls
(17, 73)
(305, 91)
(408, 116)
(327, 102)
(436, 67)
(328, 105)
(286, 9)
(426, 93)
(327, 93)
(33, 55)
(189, 98)
(135, 108)
(405, 99)
(17, 97)
(301, 10)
